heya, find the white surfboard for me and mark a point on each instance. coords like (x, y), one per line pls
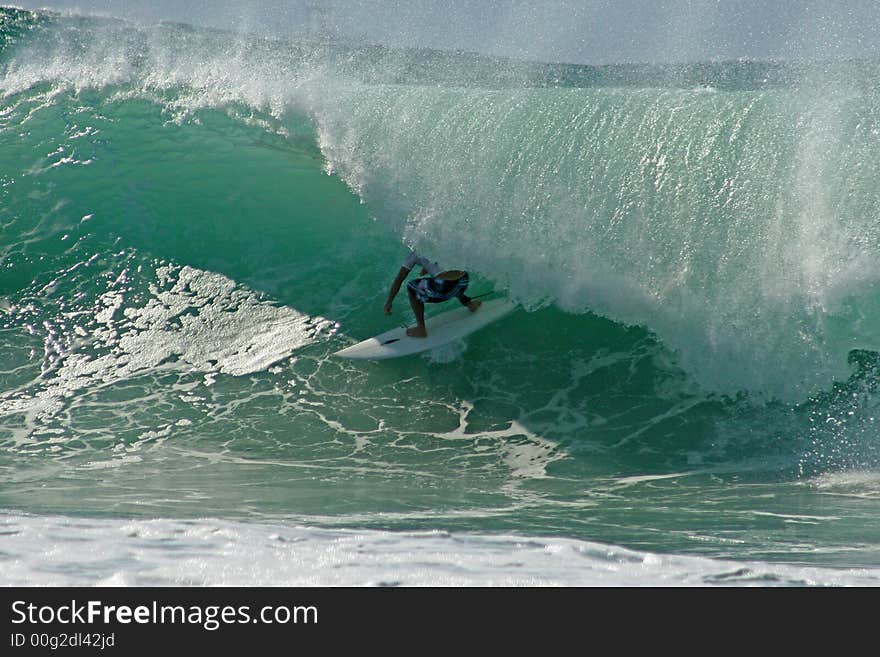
(442, 329)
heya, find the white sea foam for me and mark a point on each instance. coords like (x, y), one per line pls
(192, 321)
(76, 551)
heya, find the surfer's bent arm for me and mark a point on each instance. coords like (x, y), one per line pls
(395, 288)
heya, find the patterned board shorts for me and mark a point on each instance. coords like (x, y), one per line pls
(435, 290)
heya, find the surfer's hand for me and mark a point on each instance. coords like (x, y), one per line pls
(388, 308)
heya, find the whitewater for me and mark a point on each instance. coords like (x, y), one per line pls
(194, 221)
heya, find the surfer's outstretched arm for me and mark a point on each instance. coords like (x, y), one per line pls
(395, 288)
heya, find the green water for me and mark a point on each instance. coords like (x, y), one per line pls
(189, 234)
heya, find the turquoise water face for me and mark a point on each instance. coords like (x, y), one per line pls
(178, 268)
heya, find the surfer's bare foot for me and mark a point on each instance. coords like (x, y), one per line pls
(473, 305)
(417, 332)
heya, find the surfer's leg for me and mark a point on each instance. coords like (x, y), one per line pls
(419, 331)
(465, 300)
(472, 304)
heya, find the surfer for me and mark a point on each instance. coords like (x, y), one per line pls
(436, 285)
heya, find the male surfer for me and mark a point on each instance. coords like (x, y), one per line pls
(436, 285)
